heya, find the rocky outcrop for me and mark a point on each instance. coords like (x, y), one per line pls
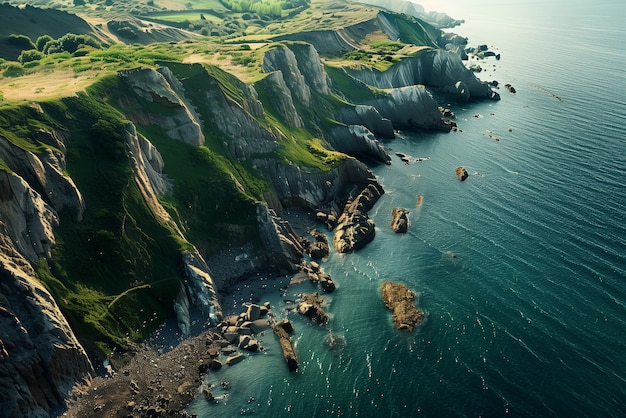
(29, 221)
(296, 186)
(313, 271)
(40, 358)
(411, 107)
(161, 87)
(282, 246)
(181, 308)
(399, 220)
(355, 229)
(358, 141)
(311, 67)
(319, 247)
(200, 285)
(282, 100)
(44, 172)
(282, 59)
(461, 173)
(282, 329)
(311, 306)
(400, 300)
(369, 117)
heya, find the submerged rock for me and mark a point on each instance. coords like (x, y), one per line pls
(399, 299)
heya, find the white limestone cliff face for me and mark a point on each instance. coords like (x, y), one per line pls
(163, 88)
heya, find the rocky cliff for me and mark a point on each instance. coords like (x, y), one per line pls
(438, 69)
(41, 359)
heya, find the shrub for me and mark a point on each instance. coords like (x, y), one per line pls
(69, 42)
(30, 55)
(13, 70)
(42, 41)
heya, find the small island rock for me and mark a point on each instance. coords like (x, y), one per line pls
(399, 220)
(461, 173)
(399, 299)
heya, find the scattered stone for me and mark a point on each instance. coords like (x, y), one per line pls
(461, 173)
(202, 367)
(234, 359)
(286, 325)
(215, 364)
(319, 250)
(355, 229)
(399, 221)
(403, 157)
(253, 313)
(400, 300)
(327, 283)
(510, 88)
(208, 395)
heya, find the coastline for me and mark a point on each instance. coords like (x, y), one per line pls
(162, 377)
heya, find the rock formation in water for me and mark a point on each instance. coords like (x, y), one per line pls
(399, 220)
(282, 330)
(311, 306)
(354, 227)
(461, 173)
(400, 300)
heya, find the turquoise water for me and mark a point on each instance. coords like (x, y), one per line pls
(530, 318)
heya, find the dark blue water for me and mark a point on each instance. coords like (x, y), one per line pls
(529, 319)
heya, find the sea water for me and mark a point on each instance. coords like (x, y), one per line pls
(521, 269)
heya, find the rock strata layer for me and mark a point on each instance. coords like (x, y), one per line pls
(400, 300)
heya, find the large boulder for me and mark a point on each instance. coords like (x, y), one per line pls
(461, 173)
